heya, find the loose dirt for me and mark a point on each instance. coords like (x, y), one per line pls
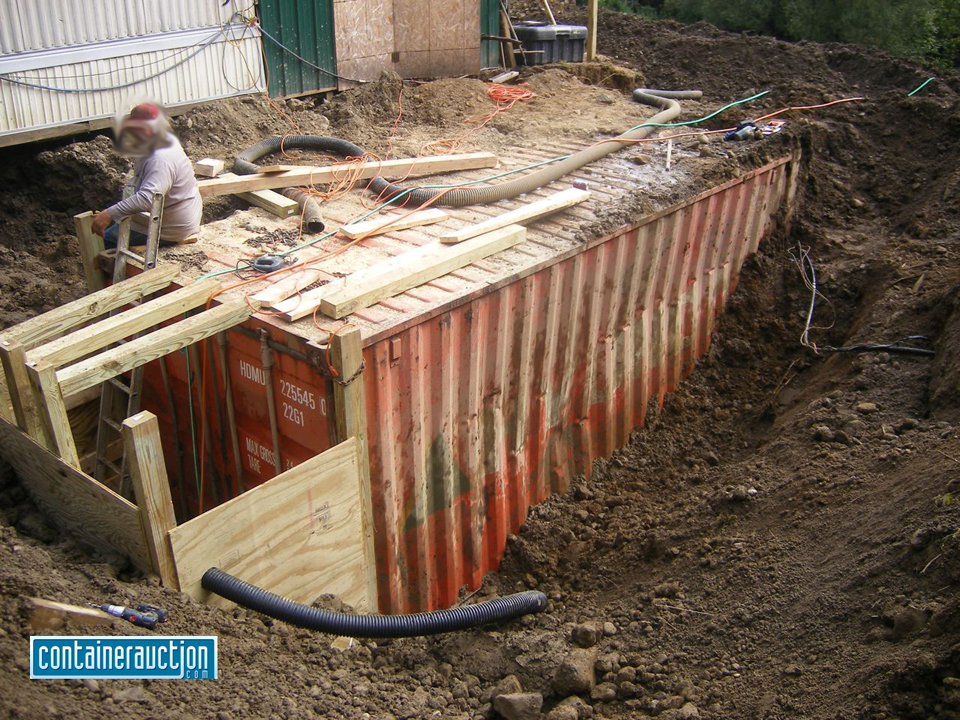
(780, 540)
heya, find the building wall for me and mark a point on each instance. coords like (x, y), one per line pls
(70, 65)
(414, 38)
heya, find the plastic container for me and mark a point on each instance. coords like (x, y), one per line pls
(552, 43)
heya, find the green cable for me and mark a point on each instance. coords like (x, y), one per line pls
(922, 86)
(531, 166)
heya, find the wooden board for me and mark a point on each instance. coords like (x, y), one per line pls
(524, 214)
(91, 245)
(361, 171)
(406, 271)
(208, 167)
(590, 53)
(282, 289)
(52, 615)
(75, 501)
(54, 323)
(273, 202)
(277, 168)
(298, 535)
(147, 348)
(387, 224)
(94, 337)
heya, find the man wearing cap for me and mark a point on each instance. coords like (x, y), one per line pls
(161, 166)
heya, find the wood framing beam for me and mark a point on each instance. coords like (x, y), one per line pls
(378, 282)
(208, 167)
(591, 45)
(109, 364)
(25, 411)
(94, 337)
(273, 202)
(361, 171)
(523, 214)
(48, 397)
(282, 289)
(380, 225)
(151, 488)
(350, 408)
(52, 324)
(73, 500)
(91, 245)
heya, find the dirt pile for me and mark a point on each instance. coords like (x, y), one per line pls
(780, 541)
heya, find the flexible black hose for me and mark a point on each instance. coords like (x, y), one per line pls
(309, 209)
(371, 626)
(666, 100)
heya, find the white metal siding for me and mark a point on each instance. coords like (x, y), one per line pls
(220, 70)
(27, 25)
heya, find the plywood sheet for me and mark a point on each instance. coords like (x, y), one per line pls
(298, 535)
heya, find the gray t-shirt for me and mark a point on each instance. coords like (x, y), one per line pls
(166, 170)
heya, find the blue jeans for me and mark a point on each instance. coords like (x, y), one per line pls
(112, 234)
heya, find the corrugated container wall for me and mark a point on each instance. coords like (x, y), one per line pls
(69, 66)
(487, 408)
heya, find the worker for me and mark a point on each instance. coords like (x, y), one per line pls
(161, 166)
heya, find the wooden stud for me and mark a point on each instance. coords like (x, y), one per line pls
(381, 225)
(109, 364)
(273, 202)
(48, 397)
(280, 290)
(350, 411)
(208, 167)
(426, 263)
(25, 412)
(523, 214)
(151, 488)
(509, 57)
(361, 171)
(591, 45)
(91, 245)
(6, 404)
(52, 615)
(94, 337)
(42, 328)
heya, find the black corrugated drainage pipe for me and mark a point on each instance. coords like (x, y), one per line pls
(371, 626)
(666, 100)
(309, 209)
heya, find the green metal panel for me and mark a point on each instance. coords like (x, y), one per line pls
(490, 25)
(305, 27)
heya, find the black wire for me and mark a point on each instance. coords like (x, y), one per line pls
(283, 47)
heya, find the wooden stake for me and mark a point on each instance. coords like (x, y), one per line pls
(509, 58)
(91, 245)
(387, 224)
(25, 410)
(350, 409)
(591, 45)
(151, 488)
(52, 615)
(526, 213)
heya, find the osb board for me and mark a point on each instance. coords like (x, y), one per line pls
(298, 535)
(75, 501)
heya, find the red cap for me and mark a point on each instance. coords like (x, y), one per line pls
(145, 111)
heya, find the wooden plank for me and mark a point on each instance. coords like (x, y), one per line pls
(75, 501)
(52, 615)
(25, 411)
(361, 171)
(282, 289)
(304, 304)
(147, 348)
(351, 421)
(92, 338)
(151, 488)
(381, 225)
(48, 398)
(524, 214)
(297, 535)
(91, 245)
(277, 168)
(591, 45)
(406, 271)
(40, 329)
(273, 202)
(208, 167)
(6, 404)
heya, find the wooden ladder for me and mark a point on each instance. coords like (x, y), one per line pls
(113, 409)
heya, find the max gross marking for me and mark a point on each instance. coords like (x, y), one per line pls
(123, 657)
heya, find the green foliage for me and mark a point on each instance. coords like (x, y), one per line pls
(925, 30)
